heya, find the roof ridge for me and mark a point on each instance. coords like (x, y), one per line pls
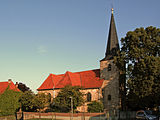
(70, 75)
(87, 70)
(52, 79)
(66, 74)
(75, 72)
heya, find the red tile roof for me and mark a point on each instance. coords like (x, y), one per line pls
(5, 85)
(85, 79)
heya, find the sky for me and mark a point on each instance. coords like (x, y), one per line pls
(39, 37)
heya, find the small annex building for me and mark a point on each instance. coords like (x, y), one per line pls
(9, 84)
(89, 81)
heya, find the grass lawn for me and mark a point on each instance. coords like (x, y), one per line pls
(7, 118)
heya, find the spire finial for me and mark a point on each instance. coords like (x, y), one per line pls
(112, 10)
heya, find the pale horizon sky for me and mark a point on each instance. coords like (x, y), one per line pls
(39, 37)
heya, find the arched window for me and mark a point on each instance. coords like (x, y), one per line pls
(89, 97)
(109, 67)
(109, 97)
(49, 96)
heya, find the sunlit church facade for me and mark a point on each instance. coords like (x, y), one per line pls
(103, 83)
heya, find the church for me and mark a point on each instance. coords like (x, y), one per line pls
(103, 83)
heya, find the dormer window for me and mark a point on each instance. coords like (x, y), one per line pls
(109, 67)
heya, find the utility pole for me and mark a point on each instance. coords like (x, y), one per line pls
(71, 107)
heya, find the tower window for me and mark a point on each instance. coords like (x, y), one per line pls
(109, 97)
(89, 97)
(109, 67)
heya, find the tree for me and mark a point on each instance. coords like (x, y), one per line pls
(62, 103)
(9, 102)
(95, 106)
(34, 102)
(141, 54)
(27, 101)
(42, 100)
(23, 87)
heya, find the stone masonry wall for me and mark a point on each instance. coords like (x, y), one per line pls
(53, 93)
(95, 95)
(110, 86)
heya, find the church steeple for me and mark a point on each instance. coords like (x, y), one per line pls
(112, 44)
(113, 85)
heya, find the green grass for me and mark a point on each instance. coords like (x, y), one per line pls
(8, 117)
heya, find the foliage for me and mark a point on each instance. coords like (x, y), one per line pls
(42, 101)
(23, 87)
(140, 53)
(27, 101)
(8, 117)
(62, 103)
(9, 102)
(31, 102)
(95, 106)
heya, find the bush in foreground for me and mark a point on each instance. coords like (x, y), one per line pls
(95, 106)
(9, 102)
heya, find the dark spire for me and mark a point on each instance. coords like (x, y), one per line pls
(112, 44)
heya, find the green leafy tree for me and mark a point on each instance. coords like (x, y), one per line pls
(42, 101)
(34, 102)
(140, 53)
(95, 107)
(62, 103)
(27, 101)
(9, 102)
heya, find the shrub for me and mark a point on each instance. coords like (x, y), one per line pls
(9, 102)
(95, 106)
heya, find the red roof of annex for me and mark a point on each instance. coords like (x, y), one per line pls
(85, 79)
(9, 84)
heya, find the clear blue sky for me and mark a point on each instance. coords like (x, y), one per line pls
(39, 37)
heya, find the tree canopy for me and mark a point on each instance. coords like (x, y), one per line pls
(42, 100)
(34, 102)
(140, 53)
(23, 87)
(62, 103)
(9, 102)
(27, 101)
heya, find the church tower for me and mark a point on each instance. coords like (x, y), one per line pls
(110, 73)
